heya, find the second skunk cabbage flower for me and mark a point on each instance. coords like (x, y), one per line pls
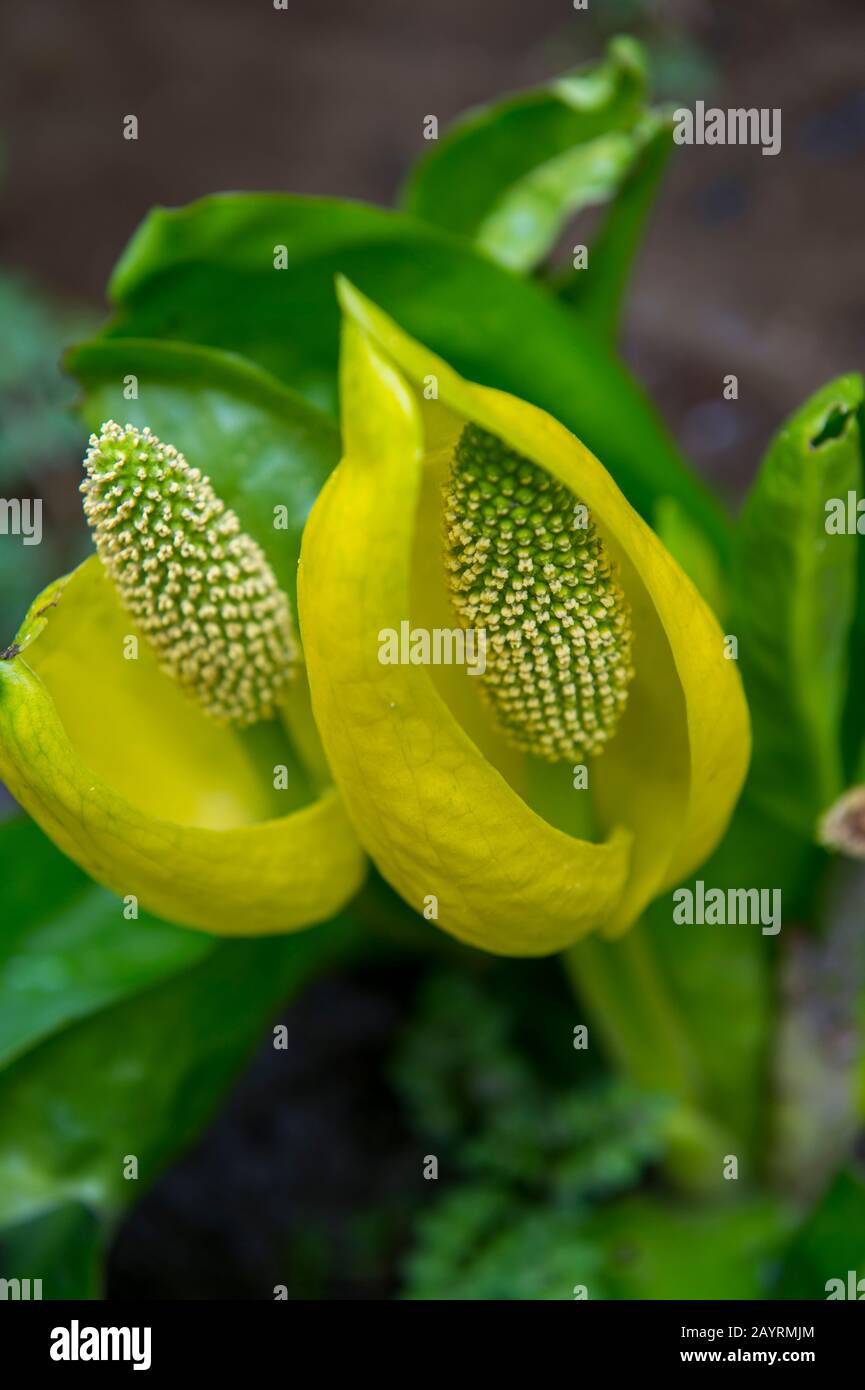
(590, 750)
(154, 713)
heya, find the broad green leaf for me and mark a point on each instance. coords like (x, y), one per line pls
(263, 447)
(794, 606)
(509, 175)
(597, 291)
(523, 228)
(66, 950)
(205, 274)
(854, 714)
(141, 1077)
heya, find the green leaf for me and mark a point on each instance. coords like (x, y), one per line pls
(262, 446)
(597, 292)
(140, 1078)
(854, 714)
(508, 176)
(66, 950)
(524, 226)
(794, 605)
(205, 274)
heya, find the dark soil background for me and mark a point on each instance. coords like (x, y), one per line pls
(752, 266)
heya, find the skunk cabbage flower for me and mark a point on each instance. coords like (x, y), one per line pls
(527, 706)
(137, 708)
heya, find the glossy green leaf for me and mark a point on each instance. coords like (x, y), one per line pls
(854, 713)
(141, 1077)
(66, 950)
(794, 605)
(525, 225)
(597, 292)
(205, 274)
(509, 175)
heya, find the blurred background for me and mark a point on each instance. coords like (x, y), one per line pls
(750, 267)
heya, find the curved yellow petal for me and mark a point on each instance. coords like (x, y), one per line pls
(670, 778)
(149, 796)
(443, 825)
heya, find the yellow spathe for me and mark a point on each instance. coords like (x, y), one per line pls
(146, 793)
(446, 812)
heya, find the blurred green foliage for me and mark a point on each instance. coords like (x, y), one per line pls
(38, 433)
(471, 1089)
(533, 1173)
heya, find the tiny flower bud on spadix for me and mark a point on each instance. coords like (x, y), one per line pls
(526, 563)
(201, 590)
